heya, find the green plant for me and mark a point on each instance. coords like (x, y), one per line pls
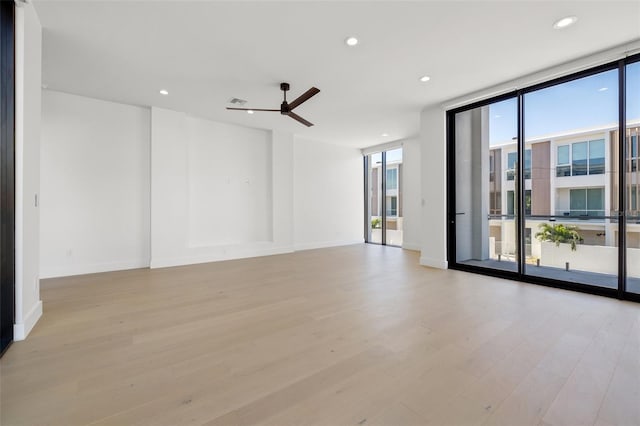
(376, 223)
(559, 233)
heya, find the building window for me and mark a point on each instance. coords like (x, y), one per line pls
(512, 159)
(596, 157)
(586, 202)
(633, 197)
(580, 159)
(495, 203)
(564, 165)
(392, 206)
(491, 166)
(392, 178)
(511, 205)
(634, 153)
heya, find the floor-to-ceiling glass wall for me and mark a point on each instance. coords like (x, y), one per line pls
(544, 183)
(570, 130)
(374, 200)
(632, 177)
(384, 197)
(393, 197)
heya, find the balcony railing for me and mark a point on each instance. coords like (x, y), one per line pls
(580, 214)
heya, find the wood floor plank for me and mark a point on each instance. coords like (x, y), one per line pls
(357, 334)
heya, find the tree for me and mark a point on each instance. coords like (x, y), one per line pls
(559, 233)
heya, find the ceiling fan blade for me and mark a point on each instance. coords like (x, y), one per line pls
(300, 119)
(304, 97)
(253, 109)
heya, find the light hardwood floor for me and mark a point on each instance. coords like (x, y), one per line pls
(342, 336)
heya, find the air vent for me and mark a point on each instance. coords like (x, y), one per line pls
(236, 101)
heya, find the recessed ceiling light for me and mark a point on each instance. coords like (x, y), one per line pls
(384, 135)
(351, 41)
(164, 92)
(249, 111)
(425, 78)
(498, 116)
(565, 22)
(602, 89)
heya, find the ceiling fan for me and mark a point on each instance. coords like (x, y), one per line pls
(287, 108)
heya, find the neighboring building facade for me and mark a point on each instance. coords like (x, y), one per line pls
(572, 176)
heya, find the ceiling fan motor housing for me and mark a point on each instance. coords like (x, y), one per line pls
(284, 106)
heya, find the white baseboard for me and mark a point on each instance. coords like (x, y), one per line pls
(22, 330)
(412, 246)
(195, 259)
(326, 244)
(434, 263)
(92, 268)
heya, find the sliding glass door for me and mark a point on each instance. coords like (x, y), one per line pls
(485, 152)
(393, 197)
(384, 197)
(571, 130)
(544, 184)
(373, 198)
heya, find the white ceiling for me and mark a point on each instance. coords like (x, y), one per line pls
(205, 53)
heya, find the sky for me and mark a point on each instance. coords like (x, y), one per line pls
(392, 155)
(587, 102)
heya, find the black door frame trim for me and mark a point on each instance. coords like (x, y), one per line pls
(7, 171)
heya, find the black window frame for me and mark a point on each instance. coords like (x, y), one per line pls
(519, 94)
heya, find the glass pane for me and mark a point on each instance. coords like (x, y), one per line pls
(392, 178)
(595, 200)
(375, 199)
(486, 159)
(570, 194)
(510, 203)
(596, 157)
(527, 201)
(393, 197)
(579, 158)
(578, 200)
(512, 158)
(633, 178)
(563, 154)
(527, 164)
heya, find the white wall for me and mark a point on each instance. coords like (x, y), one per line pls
(599, 259)
(328, 193)
(95, 185)
(28, 51)
(411, 194)
(229, 184)
(219, 191)
(434, 187)
(125, 187)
